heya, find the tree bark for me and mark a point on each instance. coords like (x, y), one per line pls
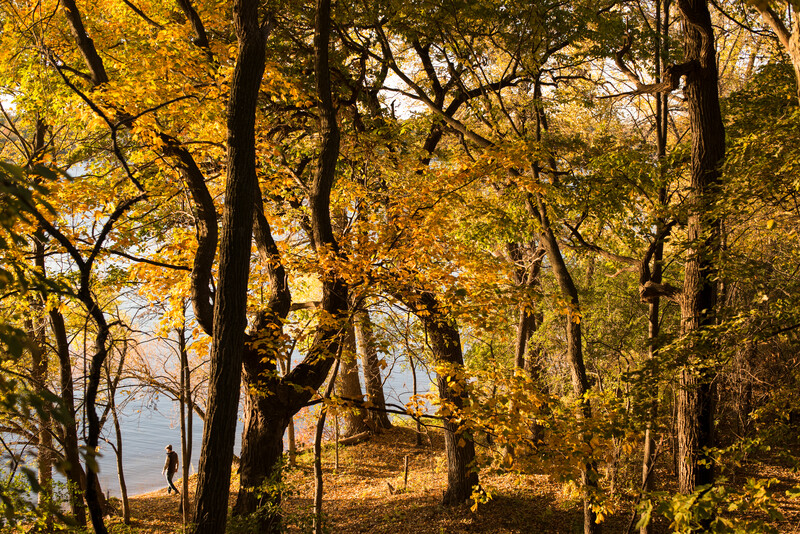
(70, 428)
(44, 457)
(654, 308)
(266, 416)
(527, 269)
(368, 353)
(213, 486)
(354, 419)
(698, 305)
(789, 37)
(537, 208)
(445, 343)
(123, 488)
(318, 491)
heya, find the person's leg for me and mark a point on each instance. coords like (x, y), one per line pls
(169, 482)
(171, 485)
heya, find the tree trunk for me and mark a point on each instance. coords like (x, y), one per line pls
(44, 457)
(36, 326)
(445, 343)
(354, 419)
(789, 37)
(123, 488)
(265, 420)
(230, 307)
(94, 496)
(186, 424)
(653, 316)
(698, 305)
(580, 384)
(528, 265)
(73, 468)
(318, 491)
(415, 392)
(368, 353)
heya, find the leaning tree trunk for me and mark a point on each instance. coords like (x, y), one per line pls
(580, 384)
(699, 302)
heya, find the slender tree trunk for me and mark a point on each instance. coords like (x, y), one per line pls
(698, 306)
(36, 329)
(186, 424)
(368, 352)
(414, 392)
(73, 468)
(123, 488)
(292, 445)
(649, 449)
(653, 316)
(526, 275)
(44, 457)
(580, 384)
(318, 489)
(94, 495)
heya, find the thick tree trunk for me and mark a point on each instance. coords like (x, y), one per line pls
(281, 398)
(265, 420)
(213, 486)
(368, 353)
(445, 343)
(698, 306)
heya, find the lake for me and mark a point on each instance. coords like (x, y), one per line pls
(148, 427)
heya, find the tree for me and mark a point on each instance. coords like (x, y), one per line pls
(699, 301)
(230, 301)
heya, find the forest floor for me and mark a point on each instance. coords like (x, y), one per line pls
(358, 497)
